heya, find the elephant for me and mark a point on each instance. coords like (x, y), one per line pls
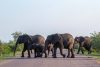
(84, 42)
(26, 40)
(61, 41)
(38, 50)
(30, 43)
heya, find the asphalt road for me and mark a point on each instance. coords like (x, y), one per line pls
(79, 61)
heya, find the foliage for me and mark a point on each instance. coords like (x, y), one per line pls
(7, 48)
(16, 35)
(96, 41)
(0, 48)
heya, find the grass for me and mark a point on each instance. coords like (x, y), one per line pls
(4, 56)
(94, 55)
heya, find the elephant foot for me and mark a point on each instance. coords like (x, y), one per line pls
(68, 56)
(22, 56)
(64, 56)
(72, 56)
(77, 53)
(45, 56)
(35, 57)
(54, 57)
(29, 56)
(82, 53)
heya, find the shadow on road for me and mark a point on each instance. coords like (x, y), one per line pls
(50, 58)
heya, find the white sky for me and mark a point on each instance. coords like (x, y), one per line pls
(78, 17)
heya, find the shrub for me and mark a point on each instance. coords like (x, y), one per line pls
(96, 41)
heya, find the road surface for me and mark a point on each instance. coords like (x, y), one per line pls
(79, 61)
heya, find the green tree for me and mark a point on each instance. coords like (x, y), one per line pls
(96, 41)
(16, 35)
(0, 48)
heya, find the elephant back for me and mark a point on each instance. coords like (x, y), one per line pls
(68, 38)
(54, 38)
(87, 40)
(38, 39)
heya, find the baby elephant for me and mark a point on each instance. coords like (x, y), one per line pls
(38, 50)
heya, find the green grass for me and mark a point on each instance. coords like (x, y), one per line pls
(4, 56)
(94, 55)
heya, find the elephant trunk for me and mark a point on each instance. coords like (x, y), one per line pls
(15, 48)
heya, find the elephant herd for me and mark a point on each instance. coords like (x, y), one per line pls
(41, 46)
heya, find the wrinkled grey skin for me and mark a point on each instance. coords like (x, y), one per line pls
(61, 41)
(29, 43)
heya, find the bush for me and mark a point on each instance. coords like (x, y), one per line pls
(96, 41)
(6, 49)
(0, 50)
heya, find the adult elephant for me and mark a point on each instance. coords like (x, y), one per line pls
(61, 41)
(30, 42)
(84, 42)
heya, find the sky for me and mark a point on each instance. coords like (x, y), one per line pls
(45, 17)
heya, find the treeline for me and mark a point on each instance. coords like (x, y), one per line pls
(7, 48)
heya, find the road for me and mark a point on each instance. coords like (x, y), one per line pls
(79, 61)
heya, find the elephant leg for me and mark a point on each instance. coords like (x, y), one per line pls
(31, 51)
(72, 53)
(23, 52)
(45, 54)
(68, 53)
(78, 50)
(61, 52)
(28, 53)
(54, 55)
(89, 51)
(81, 48)
(35, 54)
(48, 51)
(45, 48)
(28, 50)
(52, 51)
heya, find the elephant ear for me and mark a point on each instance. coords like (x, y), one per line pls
(76, 39)
(56, 38)
(26, 38)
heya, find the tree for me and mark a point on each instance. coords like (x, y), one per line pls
(0, 48)
(96, 41)
(16, 35)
